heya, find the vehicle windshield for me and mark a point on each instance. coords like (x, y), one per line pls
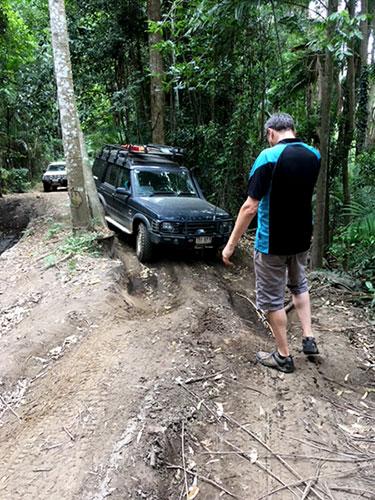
(157, 182)
(56, 168)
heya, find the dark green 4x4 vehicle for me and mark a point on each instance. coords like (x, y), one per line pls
(147, 192)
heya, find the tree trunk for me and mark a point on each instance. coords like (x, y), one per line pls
(85, 207)
(157, 72)
(362, 112)
(348, 118)
(326, 81)
(370, 130)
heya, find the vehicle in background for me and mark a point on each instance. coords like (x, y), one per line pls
(146, 191)
(55, 176)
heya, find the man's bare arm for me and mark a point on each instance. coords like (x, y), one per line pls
(245, 216)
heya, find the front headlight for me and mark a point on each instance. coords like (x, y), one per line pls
(226, 227)
(169, 227)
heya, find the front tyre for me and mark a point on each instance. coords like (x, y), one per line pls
(46, 187)
(143, 244)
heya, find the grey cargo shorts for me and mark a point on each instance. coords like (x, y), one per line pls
(271, 273)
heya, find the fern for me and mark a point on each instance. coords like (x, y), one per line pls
(363, 221)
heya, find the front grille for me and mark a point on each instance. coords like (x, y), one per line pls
(193, 228)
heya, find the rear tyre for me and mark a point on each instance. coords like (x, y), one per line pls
(46, 187)
(143, 244)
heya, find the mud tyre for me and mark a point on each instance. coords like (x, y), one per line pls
(143, 244)
(46, 187)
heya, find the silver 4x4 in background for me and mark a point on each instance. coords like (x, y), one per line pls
(55, 176)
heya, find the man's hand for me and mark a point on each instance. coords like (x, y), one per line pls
(227, 254)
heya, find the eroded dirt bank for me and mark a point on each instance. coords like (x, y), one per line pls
(120, 380)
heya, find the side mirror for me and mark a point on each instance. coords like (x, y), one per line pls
(122, 191)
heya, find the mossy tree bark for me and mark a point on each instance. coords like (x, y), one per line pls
(363, 90)
(86, 210)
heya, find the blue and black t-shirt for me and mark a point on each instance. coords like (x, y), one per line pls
(283, 178)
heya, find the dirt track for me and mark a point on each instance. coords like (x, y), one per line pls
(108, 365)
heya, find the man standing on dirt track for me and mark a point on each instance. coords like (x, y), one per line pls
(280, 189)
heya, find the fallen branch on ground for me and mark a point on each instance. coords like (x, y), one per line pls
(192, 380)
(265, 445)
(69, 433)
(250, 433)
(260, 315)
(354, 491)
(306, 480)
(183, 458)
(204, 479)
(244, 455)
(60, 261)
(7, 405)
(248, 387)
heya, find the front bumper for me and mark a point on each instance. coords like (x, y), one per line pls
(188, 241)
(56, 182)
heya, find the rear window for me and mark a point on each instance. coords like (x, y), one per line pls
(112, 175)
(99, 168)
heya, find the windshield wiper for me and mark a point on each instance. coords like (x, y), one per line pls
(155, 193)
(186, 193)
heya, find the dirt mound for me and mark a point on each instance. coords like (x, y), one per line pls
(121, 380)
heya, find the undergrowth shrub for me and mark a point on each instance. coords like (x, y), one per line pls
(353, 244)
(15, 180)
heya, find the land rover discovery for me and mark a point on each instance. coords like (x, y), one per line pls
(146, 191)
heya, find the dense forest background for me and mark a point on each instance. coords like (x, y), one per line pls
(213, 71)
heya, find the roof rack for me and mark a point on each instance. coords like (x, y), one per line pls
(155, 149)
(164, 150)
(117, 153)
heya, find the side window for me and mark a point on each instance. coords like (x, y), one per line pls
(98, 168)
(124, 179)
(112, 175)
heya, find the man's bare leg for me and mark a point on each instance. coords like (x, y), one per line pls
(302, 304)
(278, 321)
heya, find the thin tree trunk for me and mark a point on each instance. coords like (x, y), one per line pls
(157, 72)
(326, 81)
(348, 117)
(370, 130)
(84, 203)
(362, 113)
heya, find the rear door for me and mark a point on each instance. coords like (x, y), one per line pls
(121, 209)
(108, 188)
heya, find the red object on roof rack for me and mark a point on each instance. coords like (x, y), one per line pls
(155, 149)
(135, 149)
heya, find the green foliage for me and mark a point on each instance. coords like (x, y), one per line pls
(353, 245)
(365, 169)
(28, 108)
(81, 244)
(55, 229)
(72, 245)
(15, 180)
